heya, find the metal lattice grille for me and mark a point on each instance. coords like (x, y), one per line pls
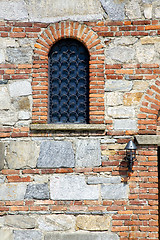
(69, 82)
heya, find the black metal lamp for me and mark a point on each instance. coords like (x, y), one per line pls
(130, 154)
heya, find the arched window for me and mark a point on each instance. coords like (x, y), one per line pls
(68, 82)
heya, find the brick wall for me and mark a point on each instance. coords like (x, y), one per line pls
(93, 181)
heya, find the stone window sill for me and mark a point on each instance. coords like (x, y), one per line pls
(68, 127)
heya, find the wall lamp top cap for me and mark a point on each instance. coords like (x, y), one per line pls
(130, 146)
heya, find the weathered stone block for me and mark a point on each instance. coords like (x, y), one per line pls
(24, 115)
(55, 154)
(122, 54)
(8, 117)
(72, 188)
(148, 11)
(114, 191)
(144, 53)
(20, 88)
(140, 85)
(19, 221)
(12, 191)
(133, 10)
(6, 234)
(53, 222)
(13, 10)
(118, 85)
(150, 40)
(22, 154)
(132, 98)
(121, 112)
(93, 223)
(2, 56)
(37, 191)
(19, 55)
(115, 10)
(114, 98)
(24, 103)
(5, 102)
(60, 10)
(104, 180)
(81, 236)
(88, 153)
(27, 234)
(2, 149)
(125, 124)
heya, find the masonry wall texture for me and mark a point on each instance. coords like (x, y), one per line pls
(74, 184)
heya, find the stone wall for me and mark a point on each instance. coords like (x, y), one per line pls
(72, 182)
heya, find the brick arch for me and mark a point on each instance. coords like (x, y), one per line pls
(45, 41)
(148, 118)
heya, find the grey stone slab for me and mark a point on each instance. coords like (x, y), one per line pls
(8, 117)
(88, 153)
(2, 154)
(5, 102)
(13, 10)
(20, 88)
(114, 191)
(37, 191)
(125, 124)
(69, 127)
(133, 10)
(104, 180)
(121, 112)
(27, 235)
(2, 56)
(19, 55)
(81, 236)
(148, 139)
(12, 191)
(22, 154)
(20, 221)
(55, 154)
(53, 222)
(72, 187)
(122, 53)
(61, 10)
(6, 234)
(118, 85)
(114, 9)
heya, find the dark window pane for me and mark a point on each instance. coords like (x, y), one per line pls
(68, 82)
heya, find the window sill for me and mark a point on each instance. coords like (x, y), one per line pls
(68, 127)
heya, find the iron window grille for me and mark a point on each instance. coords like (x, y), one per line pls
(68, 82)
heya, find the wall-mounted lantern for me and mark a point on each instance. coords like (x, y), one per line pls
(130, 154)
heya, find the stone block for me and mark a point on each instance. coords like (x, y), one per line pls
(55, 154)
(88, 153)
(121, 112)
(93, 223)
(115, 10)
(22, 154)
(125, 124)
(124, 41)
(8, 117)
(114, 98)
(13, 10)
(49, 223)
(20, 88)
(12, 191)
(20, 221)
(19, 55)
(148, 11)
(130, 99)
(104, 180)
(6, 234)
(122, 53)
(71, 187)
(150, 40)
(5, 102)
(145, 54)
(27, 234)
(114, 191)
(118, 85)
(24, 115)
(133, 10)
(81, 236)
(61, 10)
(24, 103)
(2, 56)
(2, 155)
(140, 85)
(157, 12)
(37, 191)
